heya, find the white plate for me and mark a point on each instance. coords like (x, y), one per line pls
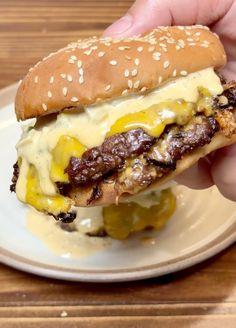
(204, 224)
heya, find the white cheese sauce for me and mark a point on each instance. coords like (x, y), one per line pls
(63, 243)
(91, 125)
(76, 243)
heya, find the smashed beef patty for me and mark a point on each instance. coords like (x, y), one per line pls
(140, 171)
(150, 158)
(110, 156)
(134, 160)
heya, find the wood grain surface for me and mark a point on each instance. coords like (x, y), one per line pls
(203, 296)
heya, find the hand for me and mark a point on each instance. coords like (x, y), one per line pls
(219, 168)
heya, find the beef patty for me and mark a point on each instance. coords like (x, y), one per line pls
(134, 159)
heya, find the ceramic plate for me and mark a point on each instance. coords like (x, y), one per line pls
(203, 225)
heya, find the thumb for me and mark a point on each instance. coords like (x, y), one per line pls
(145, 15)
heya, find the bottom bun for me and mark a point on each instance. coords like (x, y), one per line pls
(108, 190)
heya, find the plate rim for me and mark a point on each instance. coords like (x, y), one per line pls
(211, 248)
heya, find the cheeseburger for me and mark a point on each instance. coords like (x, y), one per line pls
(116, 117)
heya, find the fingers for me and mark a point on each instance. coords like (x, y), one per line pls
(198, 176)
(224, 171)
(144, 15)
(221, 171)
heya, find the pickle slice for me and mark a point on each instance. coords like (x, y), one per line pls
(123, 219)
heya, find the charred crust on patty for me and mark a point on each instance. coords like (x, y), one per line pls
(95, 195)
(110, 156)
(16, 172)
(64, 217)
(64, 188)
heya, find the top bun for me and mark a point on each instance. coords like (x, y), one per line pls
(98, 69)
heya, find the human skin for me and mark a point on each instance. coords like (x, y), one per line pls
(218, 168)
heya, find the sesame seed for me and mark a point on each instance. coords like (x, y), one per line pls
(73, 57)
(108, 87)
(124, 92)
(88, 52)
(113, 62)
(101, 53)
(192, 44)
(166, 64)
(79, 63)
(127, 57)
(123, 47)
(107, 39)
(163, 45)
(156, 55)
(160, 79)
(183, 73)
(198, 33)
(51, 80)
(134, 72)
(44, 107)
(81, 71)
(36, 79)
(188, 33)
(136, 61)
(174, 72)
(143, 89)
(49, 94)
(150, 49)
(81, 79)
(177, 47)
(140, 49)
(65, 91)
(136, 84)
(153, 41)
(74, 99)
(69, 78)
(63, 76)
(204, 45)
(107, 44)
(130, 84)
(126, 73)
(190, 39)
(128, 40)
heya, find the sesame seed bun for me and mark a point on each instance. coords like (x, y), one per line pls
(109, 195)
(97, 70)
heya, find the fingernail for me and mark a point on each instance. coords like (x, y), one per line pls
(120, 26)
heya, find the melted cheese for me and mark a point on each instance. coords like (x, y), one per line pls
(91, 126)
(63, 243)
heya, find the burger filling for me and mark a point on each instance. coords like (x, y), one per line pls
(130, 143)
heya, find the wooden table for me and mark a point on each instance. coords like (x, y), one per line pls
(203, 296)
